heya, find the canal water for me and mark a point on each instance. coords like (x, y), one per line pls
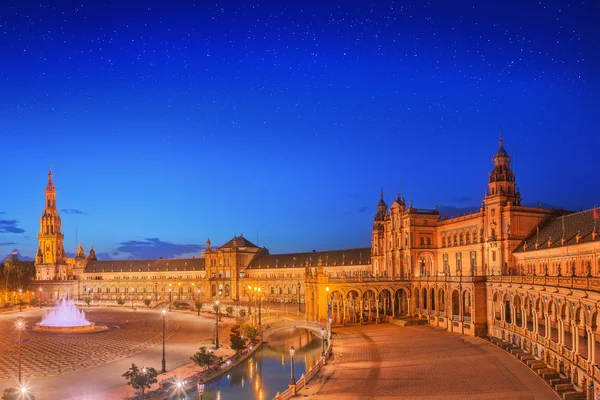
(268, 370)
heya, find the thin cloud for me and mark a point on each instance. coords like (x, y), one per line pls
(73, 211)
(153, 248)
(7, 244)
(10, 226)
(363, 209)
(462, 199)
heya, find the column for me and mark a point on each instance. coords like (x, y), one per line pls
(575, 336)
(377, 310)
(591, 346)
(523, 318)
(393, 307)
(361, 310)
(548, 327)
(535, 322)
(502, 312)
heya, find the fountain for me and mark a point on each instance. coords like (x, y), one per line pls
(67, 318)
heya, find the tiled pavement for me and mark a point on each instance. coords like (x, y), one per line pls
(379, 361)
(46, 354)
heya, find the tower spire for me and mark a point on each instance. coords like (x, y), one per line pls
(501, 139)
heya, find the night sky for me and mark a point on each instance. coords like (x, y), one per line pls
(166, 124)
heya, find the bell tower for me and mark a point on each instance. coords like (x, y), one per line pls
(502, 187)
(50, 238)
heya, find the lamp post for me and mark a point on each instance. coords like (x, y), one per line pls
(200, 391)
(249, 300)
(259, 310)
(292, 379)
(20, 326)
(217, 326)
(197, 300)
(20, 299)
(323, 342)
(170, 296)
(164, 361)
(327, 303)
(299, 305)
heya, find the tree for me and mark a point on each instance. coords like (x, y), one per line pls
(14, 393)
(140, 379)
(198, 305)
(203, 357)
(120, 301)
(241, 316)
(87, 300)
(237, 342)
(33, 302)
(147, 302)
(216, 308)
(229, 311)
(251, 332)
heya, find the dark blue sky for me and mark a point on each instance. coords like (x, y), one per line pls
(176, 122)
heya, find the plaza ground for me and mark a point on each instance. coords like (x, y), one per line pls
(64, 366)
(420, 362)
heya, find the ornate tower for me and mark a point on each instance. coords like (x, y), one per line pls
(50, 238)
(51, 263)
(502, 187)
(378, 244)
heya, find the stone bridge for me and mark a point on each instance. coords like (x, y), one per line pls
(290, 324)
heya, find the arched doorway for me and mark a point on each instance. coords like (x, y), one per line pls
(442, 301)
(368, 306)
(352, 309)
(417, 301)
(432, 299)
(467, 306)
(455, 305)
(401, 302)
(385, 302)
(425, 304)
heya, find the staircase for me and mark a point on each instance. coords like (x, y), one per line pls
(561, 385)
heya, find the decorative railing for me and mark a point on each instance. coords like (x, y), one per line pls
(571, 282)
(292, 390)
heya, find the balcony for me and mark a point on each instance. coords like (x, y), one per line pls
(575, 282)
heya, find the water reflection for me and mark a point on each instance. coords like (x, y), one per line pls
(268, 371)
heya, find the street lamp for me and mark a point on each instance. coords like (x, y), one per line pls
(327, 303)
(249, 300)
(292, 379)
(323, 342)
(299, 306)
(217, 325)
(259, 310)
(200, 391)
(170, 296)
(20, 326)
(164, 361)
(197, 300)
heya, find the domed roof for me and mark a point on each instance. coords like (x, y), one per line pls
(501, 151)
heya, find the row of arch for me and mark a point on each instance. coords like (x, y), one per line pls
(571, 324)
(431, 300)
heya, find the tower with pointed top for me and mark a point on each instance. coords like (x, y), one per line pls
(378, 238)
(502, 187)
(51, 253)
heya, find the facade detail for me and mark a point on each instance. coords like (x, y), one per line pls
(525, 275)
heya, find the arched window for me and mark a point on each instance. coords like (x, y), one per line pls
(468, 237)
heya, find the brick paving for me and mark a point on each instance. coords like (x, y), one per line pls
(48, 354)
(378, 361)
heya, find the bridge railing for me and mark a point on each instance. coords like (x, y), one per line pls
(292, 390)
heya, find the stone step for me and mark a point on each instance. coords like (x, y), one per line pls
(531, 362)
(548, 373)
(517, 352)
(558, 381)
(409, 322)
(574, 395)
(564, 387)
(537, 366)
(526, 357)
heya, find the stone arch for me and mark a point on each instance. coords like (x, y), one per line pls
(417, 299)
(424, 299)
(455, 305)
(401, 300)
(385, 301)
(432, 299)
(442, 300)
(517, 304)
(496, 307)
(352, 300)
(466, 304)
